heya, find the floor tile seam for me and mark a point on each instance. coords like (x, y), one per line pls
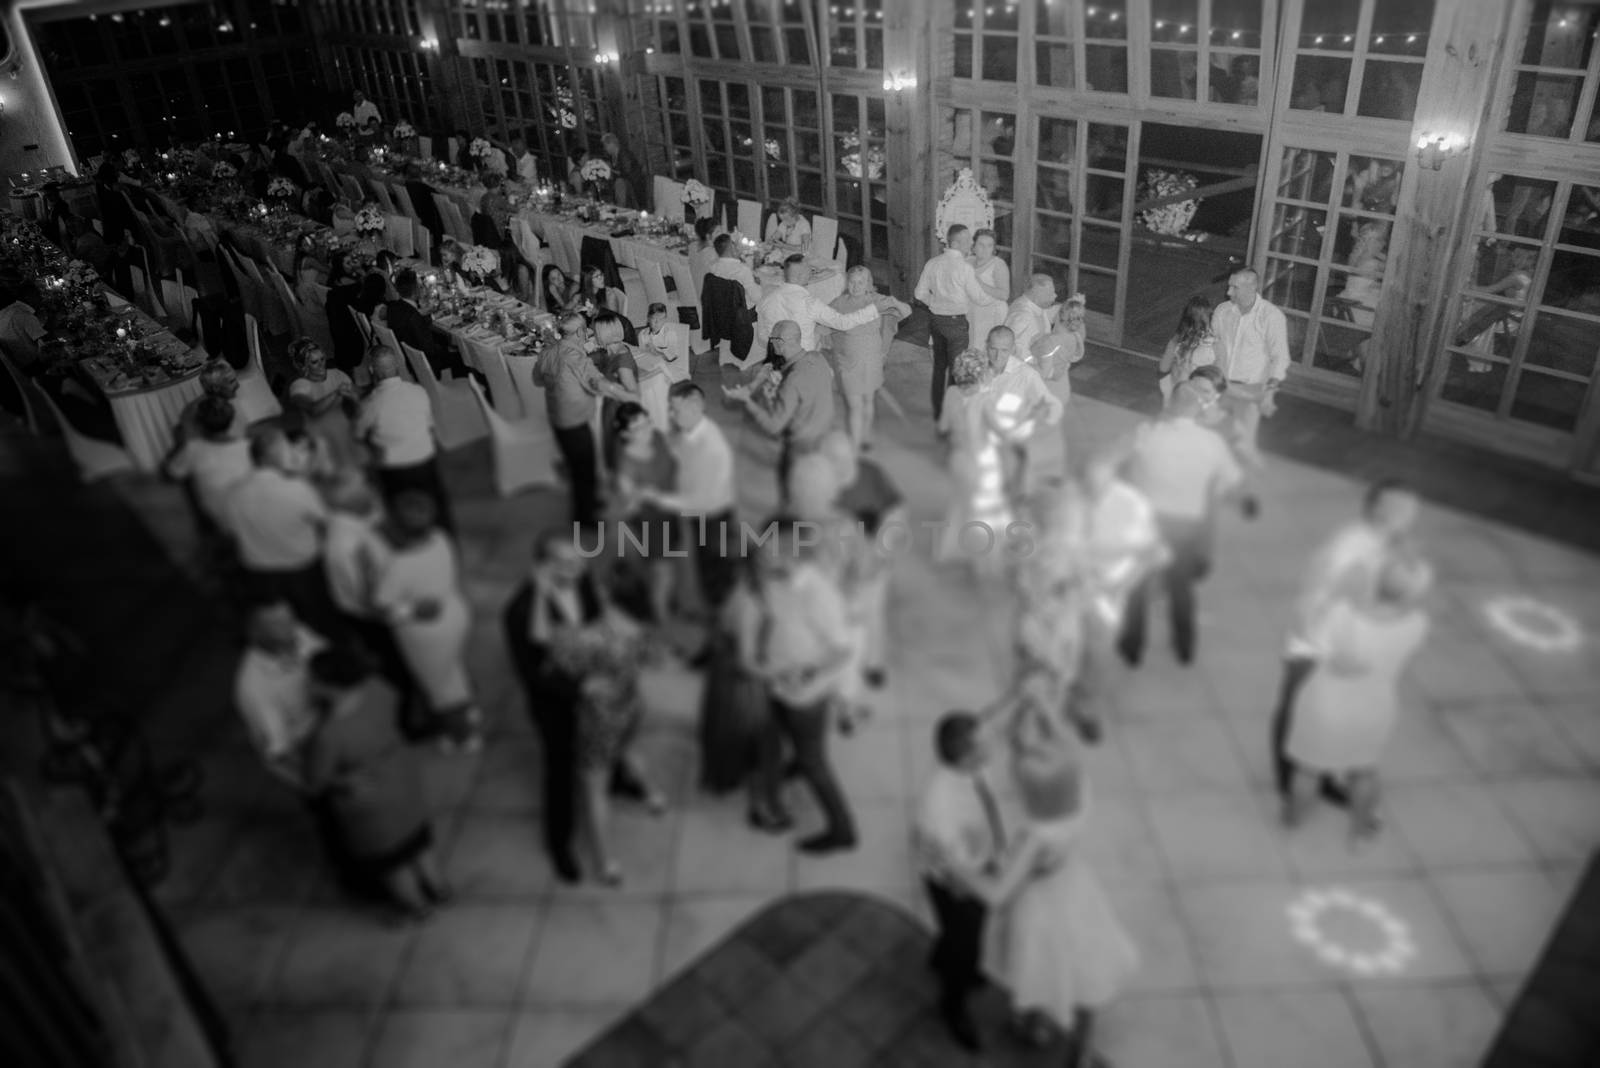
(1524, 832)
(1369, 1037)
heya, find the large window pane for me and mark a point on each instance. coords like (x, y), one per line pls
(1320, 84)
(1389, 90)
(1548, 401)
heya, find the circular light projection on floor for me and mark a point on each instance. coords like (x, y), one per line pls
(1534, 624)
(1351, 931)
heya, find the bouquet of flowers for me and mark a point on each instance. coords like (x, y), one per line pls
(696, 195)
(1173, 218)
(224, 170)
(345, 121)
(595, 169)
(370, 221)
(480, 261)
(480, 148)
(403, 130)
(600, 650)
(281, 188)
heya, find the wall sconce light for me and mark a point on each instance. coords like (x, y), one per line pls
(899, 82)
(430, 44)
(606, 57)
(1434, 148)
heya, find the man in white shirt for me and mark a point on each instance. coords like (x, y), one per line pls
(277, 520)
(704, 492)
(1020, 402)
(1252, 347)
(728, 265)
(364, 110)
(793, 302)
(526, 162)
(1029, 317)
(396, 419)
(1345, 568)
(959, 836)
(950, 290)
(271, 689)
(1183, 469)
(212, 461)
(803, 657)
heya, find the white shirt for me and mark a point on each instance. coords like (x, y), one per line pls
(1252, 347)
(794, 301)
(397, 417)
(20, 331)
(1346, 566)
(807, 621)
(214, 468)
(496, 161)
(705, 471)
(1016, 392)
(1180, 466)
(1028, 322)
(277, 520)
(365, 112)
(528, 168)
(949, 286)
(736, 270)
(667, 343)
(353, 556)
(952, 826)
(272, 695)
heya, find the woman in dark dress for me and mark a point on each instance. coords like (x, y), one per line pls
(736, 746)
(643, 463)
(359, 759)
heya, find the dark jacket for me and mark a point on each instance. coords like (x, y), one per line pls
(726, 315)
(543, 682)
(421, 194)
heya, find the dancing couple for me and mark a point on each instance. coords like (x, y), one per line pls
(1065, 955)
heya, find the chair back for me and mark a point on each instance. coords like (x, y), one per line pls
(422, 241)
(351, 190)
(452, 147)
(293, 313)
(425, 147)
(380, 193)
(344, 220)
(400, 196)
(145, 295)
(448, 215)
(668, 199)
(824, 238)
(25, 389)
(397, 235)
(750, 218)
(529, 392)
(179, 300)
(384, 336)
(95, 459)
(492, 362)
(523, 237)
(655, 283)
(422, 370)
(314, 316)
(363, 324)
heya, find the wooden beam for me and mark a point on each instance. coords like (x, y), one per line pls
(1465, 52)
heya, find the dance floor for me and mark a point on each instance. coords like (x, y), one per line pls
(1260, 949)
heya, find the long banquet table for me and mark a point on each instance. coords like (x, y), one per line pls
(146, 407)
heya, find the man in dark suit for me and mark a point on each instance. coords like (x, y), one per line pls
(412, 326)
(560, 591)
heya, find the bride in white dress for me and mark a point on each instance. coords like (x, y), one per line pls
(1066, 955)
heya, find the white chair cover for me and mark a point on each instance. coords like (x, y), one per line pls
(398, 236)
(824, 238)
(450, 215)
(457, 420)
(491, 361)
(94, 458)
(524, 451)
(294, 317)
(668, 199)
(179, 301)
(145, 295)
(354, 195)
(750, 219)
(425, 147)
(314, 314)
(521, 369)
(422, 241)
(655, 284)
(380, 193)
(402, 200)
(255, 399)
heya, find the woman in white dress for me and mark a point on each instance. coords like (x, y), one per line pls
(419, 594)
(976, 469)
(995, 278)
(324, 396)
(1191, 346)
(1347, 710)
(1054, 355)
(1066, 954)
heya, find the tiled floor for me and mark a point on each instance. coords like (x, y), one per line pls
(1493, 800)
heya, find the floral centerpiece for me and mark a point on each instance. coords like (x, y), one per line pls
(1173, 218)
(283, 190)
(345, 121)
(479, 262)
(696, 199)
(480, 150)
(595, 173)
(369, 221)
(223, 170)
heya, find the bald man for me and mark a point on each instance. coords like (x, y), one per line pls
(396, 419)
(804, 412)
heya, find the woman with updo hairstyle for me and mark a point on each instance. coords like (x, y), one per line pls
(326, 398)
(1347, 711)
